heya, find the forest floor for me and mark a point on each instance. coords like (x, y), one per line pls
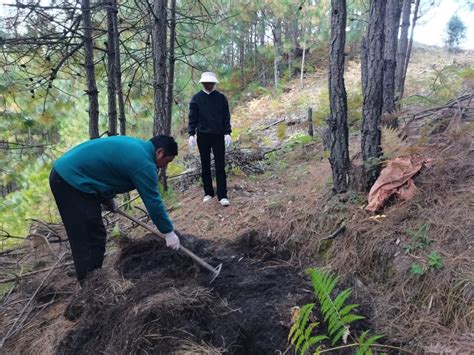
(148, 299)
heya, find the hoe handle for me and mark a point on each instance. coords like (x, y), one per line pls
(154, 231)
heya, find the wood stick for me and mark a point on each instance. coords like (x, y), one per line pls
(12, 330)
(19, 277)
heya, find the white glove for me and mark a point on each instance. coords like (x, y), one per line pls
(227, 140)
(192, 142)
(172, 240)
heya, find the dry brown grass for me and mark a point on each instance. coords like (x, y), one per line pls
(413, 310)
(419, 312)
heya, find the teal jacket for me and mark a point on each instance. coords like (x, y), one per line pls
(108, 166)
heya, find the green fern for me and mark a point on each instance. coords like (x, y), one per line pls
(301, 332)
(336, 314)
(365, 343)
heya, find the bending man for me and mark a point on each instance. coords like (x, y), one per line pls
(93, 173)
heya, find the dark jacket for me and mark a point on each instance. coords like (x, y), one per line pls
(209, 114)
(108, 166)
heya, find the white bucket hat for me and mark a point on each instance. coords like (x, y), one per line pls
(208, 77)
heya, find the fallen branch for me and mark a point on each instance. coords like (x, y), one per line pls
(12, 330)
(28, 274)
(338, 231)
(272, 124)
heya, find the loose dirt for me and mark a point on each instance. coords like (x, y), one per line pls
(163, 303)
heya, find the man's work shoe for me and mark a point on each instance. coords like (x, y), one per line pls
(207, 198)
(224, 202)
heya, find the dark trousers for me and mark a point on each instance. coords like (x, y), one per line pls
(81, 215)
(214, 142)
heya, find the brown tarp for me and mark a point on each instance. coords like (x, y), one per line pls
(396, 179)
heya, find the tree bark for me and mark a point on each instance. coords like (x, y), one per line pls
(402, 49)
(172, 60)
(363, 63)
(242, 61)
(90, 71)
(372, 106)
(159, 66)
(118, 73)
(337, 122)
(111, 69)
(410, 45)
(392, 21)
(278, 48)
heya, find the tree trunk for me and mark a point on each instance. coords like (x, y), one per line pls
(172, 59)
(410, 45)
(302, 65)
(294, 46)
(277, 43)
(159, 66)
(337, 122)
(372, 106)
(392, 21)
(402, 49)
(242, 62)
(261, 34)
(111, 68)
(262, 29)
(90, 71)
(118, 73)
(363, 63)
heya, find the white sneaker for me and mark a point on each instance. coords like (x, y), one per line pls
(224, 202)
(207, 198)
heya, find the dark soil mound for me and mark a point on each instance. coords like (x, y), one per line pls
(164, 303)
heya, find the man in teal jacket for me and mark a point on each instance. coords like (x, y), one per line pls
(91, 174)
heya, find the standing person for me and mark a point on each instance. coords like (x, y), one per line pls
(93, 173)
(209, 116)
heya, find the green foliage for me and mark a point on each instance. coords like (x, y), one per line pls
(442, 85)
(417, 269)
(366, 342)
(281, 131)
(301, 332)
(169, 197)
(435, 261)
(298, 139)
(356, 199)
(322, 111)
(337, 316)
(466, 73)
(116, 232)
(174, 168)
(33, 201)
(354, 108)
(456, 32)
(419, 238)
(5, 288)
(336, 313)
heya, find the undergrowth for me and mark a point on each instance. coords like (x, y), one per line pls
(337, 316)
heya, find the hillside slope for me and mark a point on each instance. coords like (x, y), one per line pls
(281, 221)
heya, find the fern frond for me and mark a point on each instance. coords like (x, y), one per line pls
(366, 344)
(335, 312)
(310, 328)
(300, 332)
(347, 309)
(351, 318)
(312, 341)
(341, 298)
(338, 336)
(297, 329)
